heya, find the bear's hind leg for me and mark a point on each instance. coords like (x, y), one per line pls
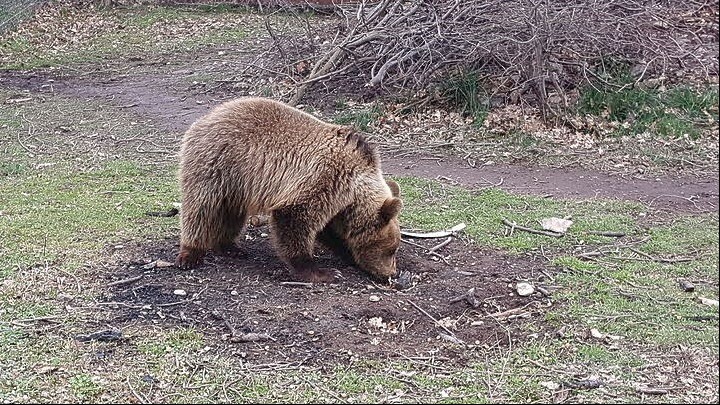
(202, 229)
(294, 230)
(233, 223)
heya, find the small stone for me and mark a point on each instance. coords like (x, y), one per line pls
(374, 298)
(233, 292)
(687, 286)
(524, 289)
(180, 292)
(596, 333)
(163, 263)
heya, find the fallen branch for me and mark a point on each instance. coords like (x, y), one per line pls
(527, 45)
(438, 234)
(217, 314)
(433, 319)
(652, 391)
(24, 323)
(139, 397)
(441, 244)
(514, 226)
(468, 297)
(590, 255)
(251, 337)
(169, 213)
(194, 297)
(510, 312)
(660, 259)
(296, 283)
(611, 234)
(441, 257)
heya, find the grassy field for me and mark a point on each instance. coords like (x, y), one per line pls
(74, 185)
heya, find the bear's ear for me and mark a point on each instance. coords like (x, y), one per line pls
(394, 187)
(390, 209)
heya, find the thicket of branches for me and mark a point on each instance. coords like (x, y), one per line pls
(527, 49)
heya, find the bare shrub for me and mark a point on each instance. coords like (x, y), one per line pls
(530, 51)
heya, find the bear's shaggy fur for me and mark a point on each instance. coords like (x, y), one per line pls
(316, 180)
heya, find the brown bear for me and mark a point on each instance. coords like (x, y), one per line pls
(316, 181)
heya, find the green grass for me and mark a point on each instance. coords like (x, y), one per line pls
(677, 111)
(84, 387)
(143, 32)
(432, 206)
(631, 296)
(60, 214)
(640, 299)
(359, 118)
(56, 219)
(465, 93)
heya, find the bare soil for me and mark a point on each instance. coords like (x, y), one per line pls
(230, 297)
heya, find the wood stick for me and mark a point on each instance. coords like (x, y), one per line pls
(423, 247)
(514, 225)
(651, 391)
(433, 319)
(441, 244)
(611, 234)
(296, 283)
(660, 259)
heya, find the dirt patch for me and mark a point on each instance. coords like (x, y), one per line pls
(353, 316)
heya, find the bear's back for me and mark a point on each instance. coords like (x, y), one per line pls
(274, 150)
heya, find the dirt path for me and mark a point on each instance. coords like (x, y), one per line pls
(685, 194)
(170, 101)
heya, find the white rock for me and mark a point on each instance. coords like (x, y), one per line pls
(559, 225)
(180, 292)
(708, 301)
(524, 289)
(374, 298)
(551, 385)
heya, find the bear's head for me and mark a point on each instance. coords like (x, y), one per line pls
(374, 249)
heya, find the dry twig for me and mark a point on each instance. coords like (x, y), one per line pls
(432, 318)
(538, 50)
(514, 226)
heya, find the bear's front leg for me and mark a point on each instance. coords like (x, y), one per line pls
(294, 229)
(332, 240)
